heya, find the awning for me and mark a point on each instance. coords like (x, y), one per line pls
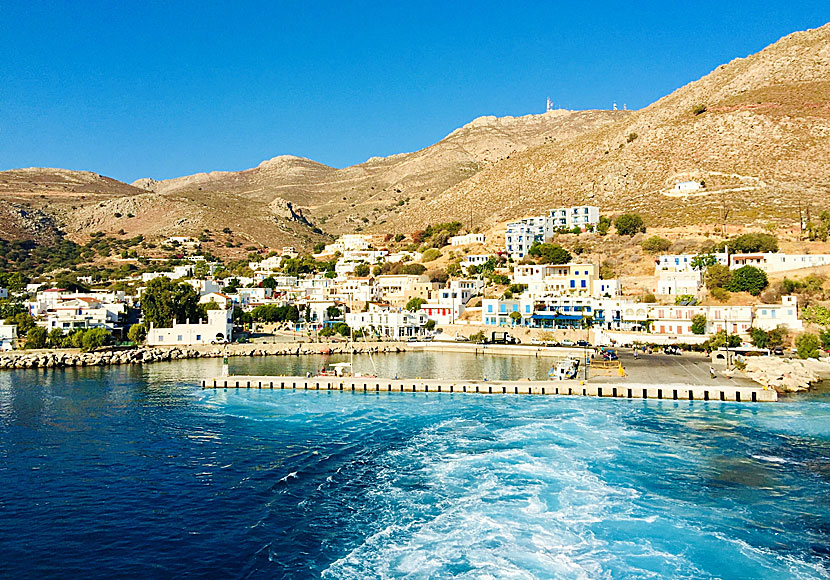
(556, 317)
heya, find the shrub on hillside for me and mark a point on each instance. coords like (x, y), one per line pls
(430, 255)
(720, 294)
(629, 224)
(655, 245)
(717, 276)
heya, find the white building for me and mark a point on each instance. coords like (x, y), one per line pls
(392, 323)
(687, 186)
(177, 273)
(771, 316)
(775, 262)
(8, 337)
(83, 313)
(474, 260)
(522, 234)
(568, 217)
(683, 262)
(556, 279)
(671, 283)
(223, 300)
(467, 239)
(217, 329)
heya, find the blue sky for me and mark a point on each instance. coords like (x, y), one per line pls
(163, 89)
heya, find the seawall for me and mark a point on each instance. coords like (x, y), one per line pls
(74, 358)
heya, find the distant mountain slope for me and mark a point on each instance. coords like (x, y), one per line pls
(286, 200)
(762, 148)
(340, 200)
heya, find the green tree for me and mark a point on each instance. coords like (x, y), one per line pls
(703, 261)
(95, 338)
(629, 224)
(516, 317)
(23, 321)
(752, 243)
(824, 337)
(655, 245)
(748, 279)
(430, 325)
(164, 300)
(137, 333)
(807, 346)
(319, 247)
(333, 312)
(717, 276)
(361, 270)
(549, 253)
(699, 324)
(36, 337)
(415, 304)
(56, 338)
(269, 282)
(603, 225)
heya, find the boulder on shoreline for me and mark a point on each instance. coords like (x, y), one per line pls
(73, 358)
(787, 375)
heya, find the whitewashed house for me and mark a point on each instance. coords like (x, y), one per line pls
(217, 329)
(467, 239)
(8, 337)
(771, 316)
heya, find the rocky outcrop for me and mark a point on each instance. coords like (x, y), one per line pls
(74, 358)
(787, 375)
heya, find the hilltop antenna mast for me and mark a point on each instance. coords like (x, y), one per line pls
(550, 106)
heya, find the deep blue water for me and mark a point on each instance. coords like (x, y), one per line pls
(137, 473)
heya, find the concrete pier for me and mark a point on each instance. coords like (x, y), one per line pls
(572, 388)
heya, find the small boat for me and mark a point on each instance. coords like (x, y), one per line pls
(566, 369)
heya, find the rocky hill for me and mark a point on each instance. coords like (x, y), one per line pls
(286, 200)
(755, 132)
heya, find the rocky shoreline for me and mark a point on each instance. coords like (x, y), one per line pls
(146, 355)
(787, 375)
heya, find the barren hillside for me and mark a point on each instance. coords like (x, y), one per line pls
(755, 131)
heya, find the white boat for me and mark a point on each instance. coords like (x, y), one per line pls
(566, 369)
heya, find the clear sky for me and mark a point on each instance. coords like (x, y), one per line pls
(162, 89)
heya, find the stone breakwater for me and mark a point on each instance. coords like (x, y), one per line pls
(787, 375)
(74, 358)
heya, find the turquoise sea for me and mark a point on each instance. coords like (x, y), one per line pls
(138, 473)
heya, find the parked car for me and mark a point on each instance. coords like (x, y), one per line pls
(610, 355)
(778, 351)
(567, 342)
(671, 350)
(583, 343)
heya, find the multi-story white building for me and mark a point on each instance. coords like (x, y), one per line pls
(398, 324)
(568, 217)
(670, 283)
(522, 234)
(556, 279)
